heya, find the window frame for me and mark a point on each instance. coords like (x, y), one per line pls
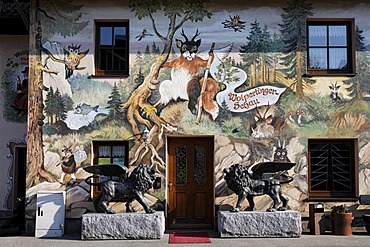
(327, 195)
(351, 43)
(95, 156)
(111, 23)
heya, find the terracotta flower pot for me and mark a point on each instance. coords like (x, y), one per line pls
(343, 224)
(332, 220)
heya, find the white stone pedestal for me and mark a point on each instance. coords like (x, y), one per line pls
(123, 226)
(259, 224)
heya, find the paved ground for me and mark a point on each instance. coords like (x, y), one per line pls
(358, 239)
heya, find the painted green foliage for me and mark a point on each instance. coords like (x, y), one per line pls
(293, 30)
(61, 17)
(56, 106)
(114, 104)
(356, 85)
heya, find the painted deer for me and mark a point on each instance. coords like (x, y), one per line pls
(185, 83)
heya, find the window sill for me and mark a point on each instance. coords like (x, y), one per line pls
(331, 199)
(329, 75)
(109, 76)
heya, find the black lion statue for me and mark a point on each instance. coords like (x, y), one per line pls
(135, 186)
(247, 185)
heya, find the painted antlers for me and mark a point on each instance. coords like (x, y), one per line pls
(186, 38)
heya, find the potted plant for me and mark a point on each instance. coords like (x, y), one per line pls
(341, 217)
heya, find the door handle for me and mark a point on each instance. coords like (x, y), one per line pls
(170, 186)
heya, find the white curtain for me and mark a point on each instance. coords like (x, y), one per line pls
(337, 58)
(317, 35)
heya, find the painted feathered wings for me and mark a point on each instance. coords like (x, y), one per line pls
(270, 167)
(109, 170)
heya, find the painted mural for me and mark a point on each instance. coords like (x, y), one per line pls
(211, 70)
(14, 86)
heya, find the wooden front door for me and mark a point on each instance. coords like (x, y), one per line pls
(190, 182)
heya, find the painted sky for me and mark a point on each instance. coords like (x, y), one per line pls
(212, 30)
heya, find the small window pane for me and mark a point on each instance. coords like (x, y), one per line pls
(119, 59)
(118, 151)
(180, 165)
(199, 165)
(119, 36)
(119, 161)
(105, 59)
(317, 35)
(106, 36)
(338, 58)
(102, 161)
(337, 35)
(318, 58)
(104, 151)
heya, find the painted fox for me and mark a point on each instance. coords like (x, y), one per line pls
(185, 83)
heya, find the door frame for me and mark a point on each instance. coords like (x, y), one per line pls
(211, 138)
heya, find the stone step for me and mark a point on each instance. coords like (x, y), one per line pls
(260, 224)
(123, 226)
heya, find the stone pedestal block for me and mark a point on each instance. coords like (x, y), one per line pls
(259, 224)
(123, 226)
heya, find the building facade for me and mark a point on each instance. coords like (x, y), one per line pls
(215, 84)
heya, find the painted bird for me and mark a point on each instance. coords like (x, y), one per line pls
(143, 34)
(235, 23)
(73, 57)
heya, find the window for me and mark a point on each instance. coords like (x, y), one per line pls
(109, 152)
(332, 169)
(112, 48)
(330, 46)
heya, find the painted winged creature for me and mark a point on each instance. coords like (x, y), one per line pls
(120, 185)
(235, 23)
(71, 59)
(246, 185)
(143, 34)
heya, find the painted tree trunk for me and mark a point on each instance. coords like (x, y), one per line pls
(35, 154)
(299, 85)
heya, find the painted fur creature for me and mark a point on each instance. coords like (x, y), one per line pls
(68, 164)
(246, 185)
(334, 88)
(185, 83)
(281, 153)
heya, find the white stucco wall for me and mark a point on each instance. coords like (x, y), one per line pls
(8, 130)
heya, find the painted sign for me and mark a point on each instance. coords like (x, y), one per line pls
(247, 100)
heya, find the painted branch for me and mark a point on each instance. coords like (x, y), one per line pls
(200, 102)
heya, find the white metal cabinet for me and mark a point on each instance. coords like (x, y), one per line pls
(50, 214)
